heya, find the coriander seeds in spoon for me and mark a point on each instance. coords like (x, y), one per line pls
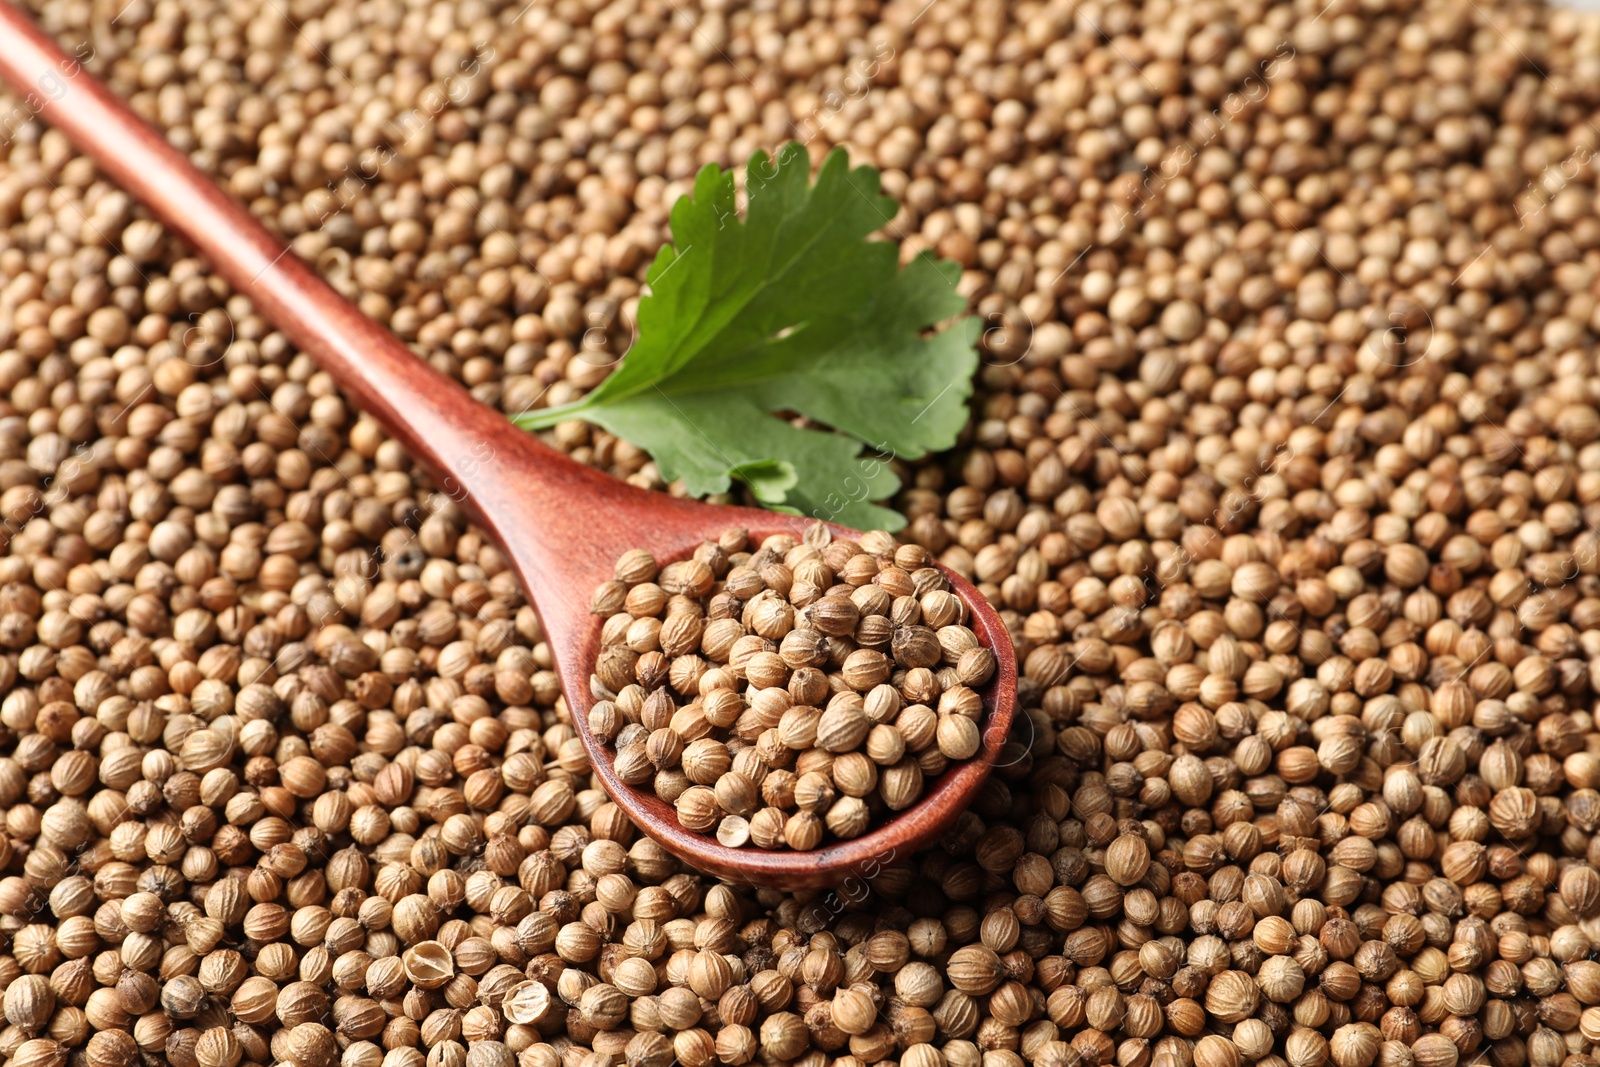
(564, 526)
(788, 693)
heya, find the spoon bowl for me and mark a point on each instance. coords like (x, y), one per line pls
(945, 798)
(562, 524)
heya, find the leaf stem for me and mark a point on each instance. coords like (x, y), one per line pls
(545, 418)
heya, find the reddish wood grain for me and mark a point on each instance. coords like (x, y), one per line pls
(562, 524)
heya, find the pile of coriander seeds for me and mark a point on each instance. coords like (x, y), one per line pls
(796, 693)
(1282, 472)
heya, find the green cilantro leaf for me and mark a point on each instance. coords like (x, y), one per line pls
(789, 312)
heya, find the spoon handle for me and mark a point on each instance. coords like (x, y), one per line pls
(474, 452)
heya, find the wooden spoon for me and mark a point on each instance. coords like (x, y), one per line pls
(562, 524)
